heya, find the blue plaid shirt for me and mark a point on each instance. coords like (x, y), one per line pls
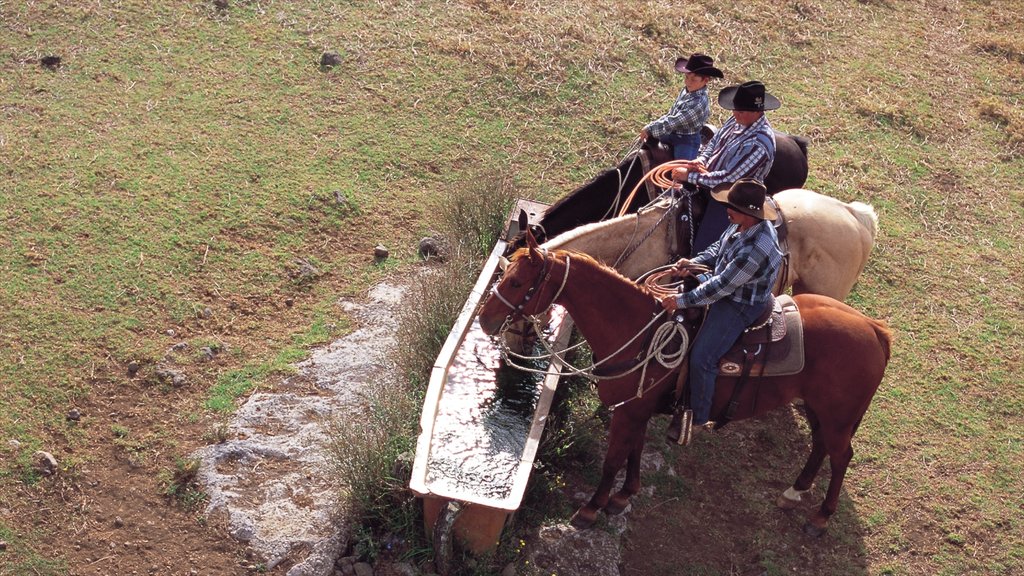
(737, 152)
(689, 113)
(745, 267)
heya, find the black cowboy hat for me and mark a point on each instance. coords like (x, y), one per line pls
(699, 64)
(747, 97)
(746, 196)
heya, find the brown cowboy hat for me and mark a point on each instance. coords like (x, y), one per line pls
(747, 97)
(746, 196)
(698, 63)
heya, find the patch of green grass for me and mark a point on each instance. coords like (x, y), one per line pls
(180, 484)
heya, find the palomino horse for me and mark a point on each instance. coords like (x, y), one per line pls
(597, 199)
(829, 241)
(845, 358)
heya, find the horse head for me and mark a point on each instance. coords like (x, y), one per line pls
(518, 292)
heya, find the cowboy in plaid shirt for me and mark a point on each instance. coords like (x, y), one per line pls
(743, 148)
(737, 290)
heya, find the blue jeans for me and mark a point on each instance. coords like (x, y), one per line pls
(684, 146)
(714, 222)
(724, 323)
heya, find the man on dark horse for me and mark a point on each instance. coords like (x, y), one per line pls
(737, 290)
(680, 128)
(743, 148)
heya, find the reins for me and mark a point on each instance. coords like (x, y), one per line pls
(658, 342)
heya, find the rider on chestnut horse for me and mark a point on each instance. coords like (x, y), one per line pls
(744, 264)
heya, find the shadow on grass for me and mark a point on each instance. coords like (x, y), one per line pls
(717, 514)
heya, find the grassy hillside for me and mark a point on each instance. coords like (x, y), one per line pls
(167, 181)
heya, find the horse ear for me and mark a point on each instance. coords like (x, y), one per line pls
(503, 263)
(534, 248)
(524, 220)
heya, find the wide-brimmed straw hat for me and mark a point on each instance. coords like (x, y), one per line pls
(747, 97)
(746, 196)
(699, 63)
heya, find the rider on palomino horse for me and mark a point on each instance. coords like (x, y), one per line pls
(743, 148)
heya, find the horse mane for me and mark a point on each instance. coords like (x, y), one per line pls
(588, 260)
(574, 234)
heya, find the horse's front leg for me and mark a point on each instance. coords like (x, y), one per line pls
(618, 502)
(620, 445)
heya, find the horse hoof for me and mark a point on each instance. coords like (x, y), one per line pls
(786, 504)
(582, 521)
(812, 530)
(616, 506)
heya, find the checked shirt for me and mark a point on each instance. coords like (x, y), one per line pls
(746, 265)
(687, 115)
(737, 152)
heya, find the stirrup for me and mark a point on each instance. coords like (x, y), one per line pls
(686, 433)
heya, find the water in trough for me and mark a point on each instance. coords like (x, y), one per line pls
(484, 418)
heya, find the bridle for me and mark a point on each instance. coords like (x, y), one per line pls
(517, 310)
(656, 341)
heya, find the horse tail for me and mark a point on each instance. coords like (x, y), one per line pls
(802, 142)
(884, 335)
(866, 215)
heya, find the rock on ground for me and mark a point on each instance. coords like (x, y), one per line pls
(269, 478)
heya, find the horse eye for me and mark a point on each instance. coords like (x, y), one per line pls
(514, 283)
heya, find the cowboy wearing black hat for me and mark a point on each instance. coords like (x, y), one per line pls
(743, 148)
(681, 127)
(744, 264)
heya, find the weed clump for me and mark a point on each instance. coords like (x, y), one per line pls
(372, 462)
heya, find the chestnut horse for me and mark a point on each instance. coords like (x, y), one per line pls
(829, 241)
(845, 358)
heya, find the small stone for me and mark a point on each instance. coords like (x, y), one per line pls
(118, 522)
(207, 312)
(133, 368)
(44, 463)
(289, 302)
(221, 5)
(14, 443)
(207, 353)
(74, 415)
(429, 248)
(363, 569)
(171, 333)
(179, 346)
(303, 272)
(328, 59)
(3, 546)
(380, 252)
(172, 377)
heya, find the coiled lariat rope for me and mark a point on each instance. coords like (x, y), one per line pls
(653, 279)
(660, 176)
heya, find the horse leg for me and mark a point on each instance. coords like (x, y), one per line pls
(631, 485)
(794, 494)
(839, 461)
(620, 445)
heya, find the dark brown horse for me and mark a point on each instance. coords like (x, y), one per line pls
(595, 200)
(845, 358)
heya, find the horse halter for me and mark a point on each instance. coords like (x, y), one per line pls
(541, 279)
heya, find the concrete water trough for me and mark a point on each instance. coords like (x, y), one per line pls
(481, 423)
